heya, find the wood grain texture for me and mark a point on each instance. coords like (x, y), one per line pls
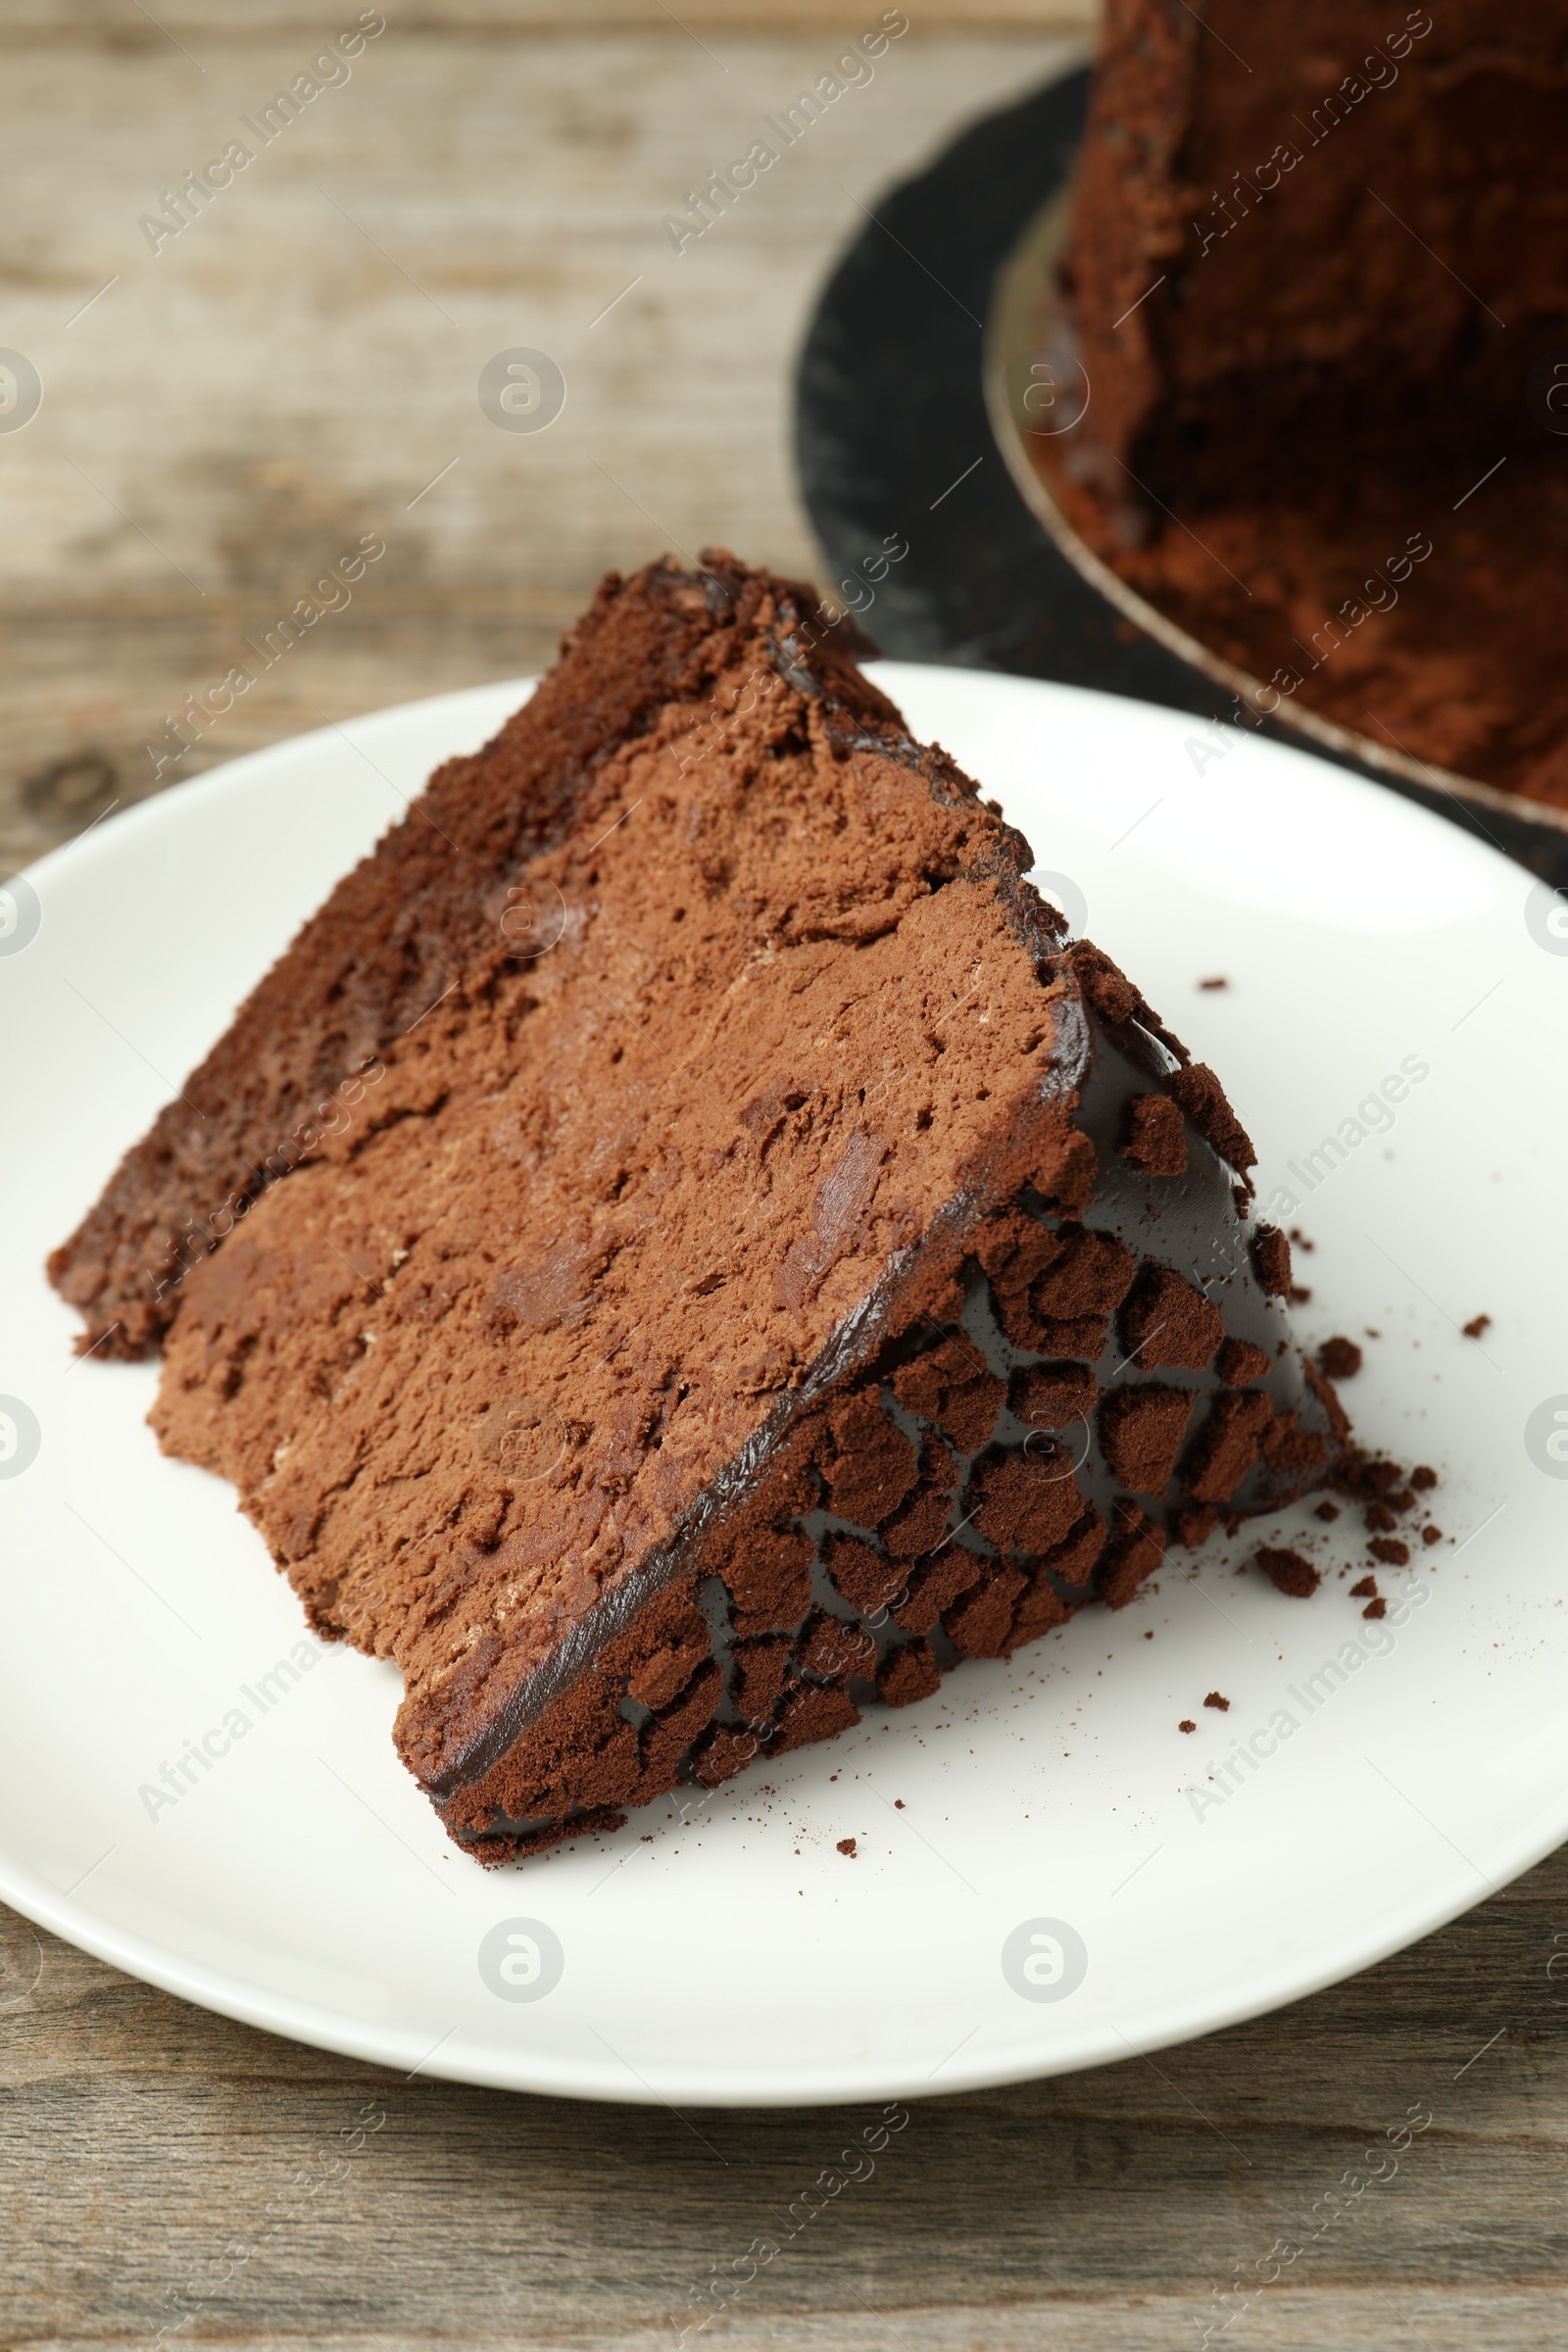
(206, 24)
(300, 362)
(1095, 2213)
(233, 411)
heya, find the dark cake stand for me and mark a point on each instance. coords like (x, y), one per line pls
(895, 447)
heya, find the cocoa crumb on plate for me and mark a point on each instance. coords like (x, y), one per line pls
(1289, 1572)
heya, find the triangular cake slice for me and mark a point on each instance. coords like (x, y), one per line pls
(743, 1262)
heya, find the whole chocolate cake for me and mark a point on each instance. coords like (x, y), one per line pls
(681, 1246)
(1317, 271)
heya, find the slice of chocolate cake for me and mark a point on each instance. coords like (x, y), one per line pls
(1317, 272)
(734, 1261)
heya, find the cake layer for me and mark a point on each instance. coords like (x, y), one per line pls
(396, 933)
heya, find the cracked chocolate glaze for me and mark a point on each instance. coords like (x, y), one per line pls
(1189, 1223)
(851, 1348)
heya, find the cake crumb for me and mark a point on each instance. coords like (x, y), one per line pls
(1339, 1359)
(1376, 1608)
(1216, 1700)
(1421, 1477)
(1298, 1240)
(847, 1846)
(1388, 1549)
(1186, 1723)
(1366, 1590)
(898, 1804)
(1298, 1295)
(1289, 1573)
(1218, 981)
(1327, 1512)
(1476, 1326)
(1432, 1534)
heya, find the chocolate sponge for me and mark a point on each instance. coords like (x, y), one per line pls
(728, 1290)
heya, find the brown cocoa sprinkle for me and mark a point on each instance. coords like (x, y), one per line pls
(1421, 1477)
(1328, 1512)
(1366, 1590)
(1298, 1295)
(1154, 1138)
(1388, 1549)
(1219, 981)
(1376, 1608)
(1476, 1326)
(1289, 1572)
(1238, 1362)
(1300, 1239)
(847, 1846)
(1214, 1699)
(1186, 1723)
(1271, 1263)
(1339, 1359)
(898, 1804)
(1195, 1523)
(1432, 1534)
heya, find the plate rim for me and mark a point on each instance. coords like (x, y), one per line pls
(843, 2082)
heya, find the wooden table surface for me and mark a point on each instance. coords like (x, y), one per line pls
(229, 414)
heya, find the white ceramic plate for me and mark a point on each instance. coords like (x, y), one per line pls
(735, 1955)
